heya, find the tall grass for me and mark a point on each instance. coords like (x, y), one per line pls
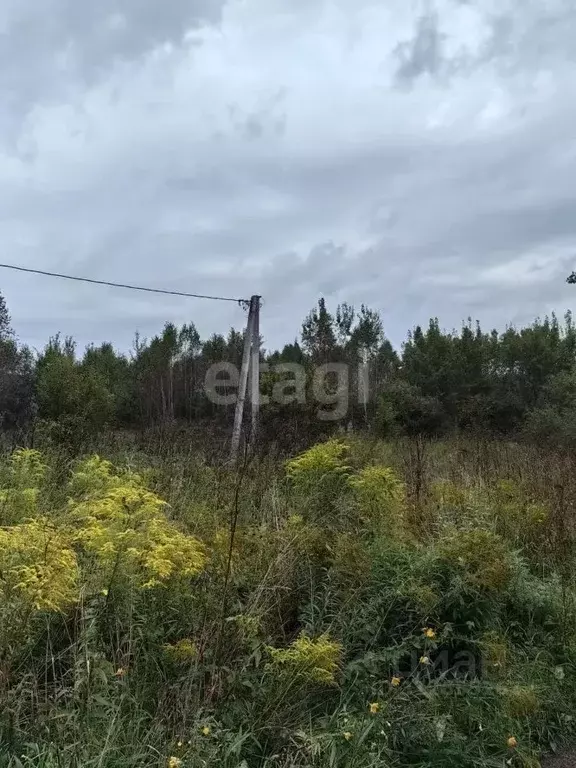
(363, 604)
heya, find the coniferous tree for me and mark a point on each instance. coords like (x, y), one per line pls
(16, 376)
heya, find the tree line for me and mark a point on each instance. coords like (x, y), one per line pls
(516, 382)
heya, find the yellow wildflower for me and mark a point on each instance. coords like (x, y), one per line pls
(424, 660)
(206, 730)
(512, 742)
(429, 632)
(395, 682)
(374, 708)
(318, 659)
(182, 651)
(347, 735)
(174, 762)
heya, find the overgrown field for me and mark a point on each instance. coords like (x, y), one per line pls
(363, 604)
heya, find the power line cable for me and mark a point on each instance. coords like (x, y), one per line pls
(123, 285)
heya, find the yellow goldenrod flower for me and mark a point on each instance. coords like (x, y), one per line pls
(424, 660)
(429, 632)
(374, 708)
(206, 730)
(395, 682)
(320, 657)
(174, 762)
(347, 735)
(512, 742)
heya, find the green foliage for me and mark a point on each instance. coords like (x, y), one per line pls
(518, 516)
(318, 334)
(321, 462)
(481, 557)
(314, 632)
(23, 475)
(16, 376)
(183, 651)
(319, 475)
(380, 495)
(520, 381)
(38, 568)
(122, 529)
(359, 604)
(306, 661)
(111, 532)
(68, 389)
(373, 498)
(403, 409)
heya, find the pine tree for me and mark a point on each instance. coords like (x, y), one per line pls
(318, 336)
(16, 376)
(6, 332)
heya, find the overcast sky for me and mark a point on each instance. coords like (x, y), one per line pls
(419, 157)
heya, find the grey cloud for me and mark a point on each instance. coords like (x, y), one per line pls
(499, 202)
(411, 219)
(518, 41)
(457, 209)
(530, 38)
(422, 54)
(268, 119)
(50, 49)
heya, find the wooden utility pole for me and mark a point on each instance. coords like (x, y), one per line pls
(364, 382)
(255, 370)
(236, 432)
(250, 361)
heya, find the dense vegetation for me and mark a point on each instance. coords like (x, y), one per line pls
(520, 382)
(347, 608)
(400, 596)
